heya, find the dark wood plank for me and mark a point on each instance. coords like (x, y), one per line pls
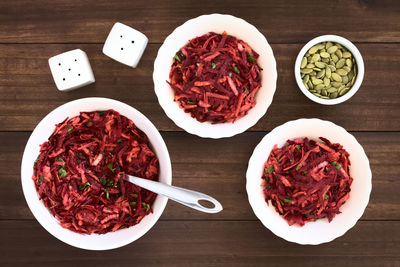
(28, 93)
(217, 167)
(199, 243)
(45, 21)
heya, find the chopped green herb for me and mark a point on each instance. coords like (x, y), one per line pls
(133, 203)
(41, 177)
(338, 167)
(147, 206)
(270, 169)
(326, 196)
(281, 202)
(134, 194)
(298, 147)
(110, 166)
(107, 193)
(250, 58)
(245, 89)
(290, 160)
(176, 57)
(60, 159)
(119, 140)
(230, 74)
(297, 167)
(213, 65)
(110, 183)
(102, 153)
(70, 129)
(333, 162)
(287, 200)
(101, 113)
(90, 123)
(103, 181)
(269, 186)
(83, 186)
(62, 172)
(235, 69)
(305, 214)
(229, 36)
(190, 102)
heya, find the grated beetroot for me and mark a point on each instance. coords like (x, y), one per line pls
(215, 78)
(79, 173)
(307, 180)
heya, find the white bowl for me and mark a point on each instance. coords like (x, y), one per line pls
(320, 231)
(41, 133)
(197, 27)
(357, 56)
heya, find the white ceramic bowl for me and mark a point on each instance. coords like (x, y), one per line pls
(320, 231)
(197, 27)
(357, 56)
(41, 133)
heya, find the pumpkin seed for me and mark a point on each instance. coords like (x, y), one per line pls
(310, 85)
(336, 77)
(321, 74)
(336, 84)
(334, 58)
(339, 53)
(346, 68)
(340, 63)
(306, 71)
(328, 44)
(327, 82)
(320, 65)
(332, 49)
(310, 66)
(332, 90)
(345, 79)
(324, 54)
(333, 68)
(319, 86)
(341, 72)
(333, 95)
(324, 92)
(315, 58)
(324, 97)
(328, 72)
(344, 90)
(349, 63)
(317, 81)
(303, 62)
(313, 49)
(346, 54)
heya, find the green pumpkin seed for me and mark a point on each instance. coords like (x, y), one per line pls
(345, 79)
(303, 62)
(317, 81)
(328, 44)
(333, 95)
(346, 68)
(328, 72)
(327, 82)
(310, 66)
(324, 97)
(336, 77)
(334, 58)
(319, 86)
(325, 60)
(332, 49)
(341, 72)
(339, 53)
(349, 63)
(317, 69)
(320, 65)
(310, 85)
(306, 71)
(315, 58)
(332, 90)
(321, 46)
(333, 68)
(344, 90)
(316, 94)
(324, 54)
(313, 50)
(340, 63)
(336, 84)
(346, 54)
(321, 74)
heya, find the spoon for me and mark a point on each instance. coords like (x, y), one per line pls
(184, 196)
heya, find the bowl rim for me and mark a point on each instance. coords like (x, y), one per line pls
(357, 56)
(30, 193)
(254, 198)
(207, 129)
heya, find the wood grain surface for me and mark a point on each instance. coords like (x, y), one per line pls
(33, 31)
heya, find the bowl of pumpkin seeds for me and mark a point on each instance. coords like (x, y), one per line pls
(329, 69)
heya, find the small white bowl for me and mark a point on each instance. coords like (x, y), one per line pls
(320, 231)
(41, 133)
(199, 26)
(357, 56)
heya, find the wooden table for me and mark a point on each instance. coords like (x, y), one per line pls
(33, 31)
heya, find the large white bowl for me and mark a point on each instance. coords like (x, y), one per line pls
(199, 26)
(320, 231)
(42, 132)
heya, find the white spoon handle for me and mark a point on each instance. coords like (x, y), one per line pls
(186, 197)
